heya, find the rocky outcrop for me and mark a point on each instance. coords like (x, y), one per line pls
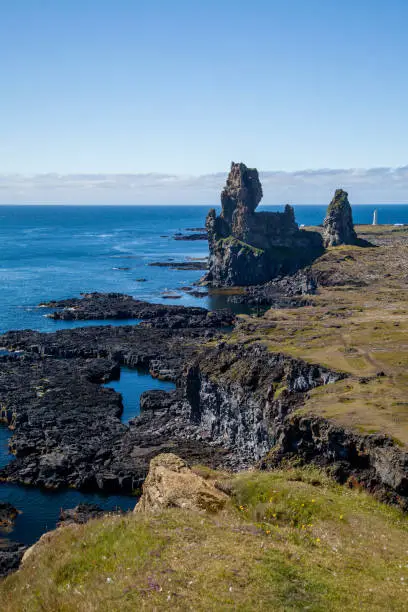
(82, 513)
(170, 483)
(247, 247)
(181, 265)
(8, 514)
(66, 427)
(238, 397)
(191, 237)
(11, 554)
(370, 461)
(96, 306)
(338, 227)
(247, 399)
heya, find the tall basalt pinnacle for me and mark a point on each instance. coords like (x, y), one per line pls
(243, 190)
(249, 247)
(338, 227)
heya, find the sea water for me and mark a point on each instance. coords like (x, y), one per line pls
(56, 252)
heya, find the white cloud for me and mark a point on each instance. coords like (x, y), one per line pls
(372, 185)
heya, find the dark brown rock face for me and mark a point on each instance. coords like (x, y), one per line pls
(243, 191)
(247, 247)
(338, 224)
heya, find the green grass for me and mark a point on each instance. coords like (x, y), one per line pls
(231, 241)
(289, 540)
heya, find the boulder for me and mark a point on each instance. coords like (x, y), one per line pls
(8, 514)
(338, 227)
(170, 483)
(82, 513)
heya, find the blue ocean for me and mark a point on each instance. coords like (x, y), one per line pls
(56, 252)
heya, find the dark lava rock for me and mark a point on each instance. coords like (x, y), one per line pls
(239, 396)
(61, 418)
(141, 280)
(191, 237)
(249, 248)
(80, 514)
(199, 294)
(338, 227)
(66, 427)
(232, 404)
(11, 554)
(96, 306)
(8, 514)
(181, 265)
(287, 292)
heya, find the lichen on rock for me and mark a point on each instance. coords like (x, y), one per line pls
(170, 483)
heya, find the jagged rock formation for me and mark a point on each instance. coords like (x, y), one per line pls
(11, 554)
(82, 513)
(238, 396)
(338, 225)
(247, 247)
(170, 483)
(8, 514)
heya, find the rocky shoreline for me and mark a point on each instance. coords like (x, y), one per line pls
(232, 405)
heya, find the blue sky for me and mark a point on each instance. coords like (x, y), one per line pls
(95, 88)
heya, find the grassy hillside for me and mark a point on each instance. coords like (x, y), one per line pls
(358, 324)
(289, 540)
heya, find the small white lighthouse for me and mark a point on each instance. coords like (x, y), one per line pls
(375, 217)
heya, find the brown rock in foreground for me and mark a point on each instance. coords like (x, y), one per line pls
(171, 484)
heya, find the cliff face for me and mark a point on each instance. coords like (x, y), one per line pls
(239, 397)
(246, 399)
(247, 247)
(338, 225)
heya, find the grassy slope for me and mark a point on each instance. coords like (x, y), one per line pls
(290, 540)
(358, 330)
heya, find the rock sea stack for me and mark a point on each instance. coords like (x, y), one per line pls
(338, 227)
(248, 247)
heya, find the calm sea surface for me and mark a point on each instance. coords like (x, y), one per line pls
(56, 252)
